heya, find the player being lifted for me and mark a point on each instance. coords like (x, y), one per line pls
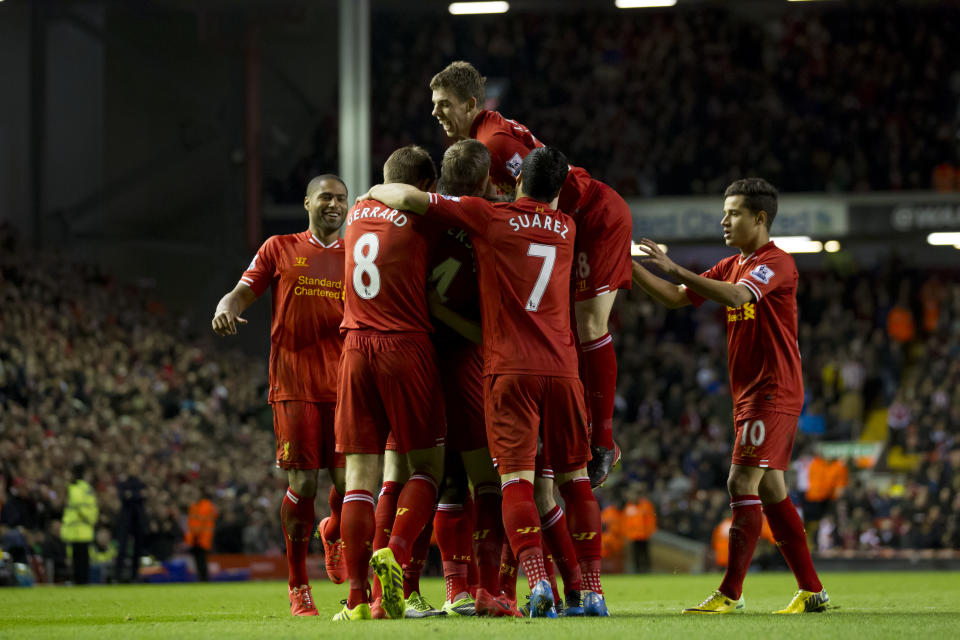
(524, 252)
(604, 231)
(305, 274)
(388, 382)
(759, 289)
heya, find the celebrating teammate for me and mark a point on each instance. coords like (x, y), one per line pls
(305, 274)
(388, 382)
(604, 224)
(759, 289)
(524, 252)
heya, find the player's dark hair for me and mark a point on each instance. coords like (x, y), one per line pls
(314, 185)
(411, 165)
(543, 172)
(463, 79)
(465, 167)
(758, 195)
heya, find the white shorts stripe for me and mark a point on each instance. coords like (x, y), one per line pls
(601, 343)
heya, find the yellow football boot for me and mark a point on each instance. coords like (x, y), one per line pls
(808, 602)
(718, 603)
(359, 612)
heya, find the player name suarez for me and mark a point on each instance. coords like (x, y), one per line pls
(549, 223)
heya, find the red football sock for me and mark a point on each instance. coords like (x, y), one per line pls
(508, 573)
(473, 575)
(583, 523)
(489, 535)
(456, 546)
(551, 574)
(296, 518)
(415, 509)
(787, 529)
(744, 533)
(332, 530)
(418, 558)
(522, 525)
(386, 512)
(600, 385)
(557, 541)
(356, 531)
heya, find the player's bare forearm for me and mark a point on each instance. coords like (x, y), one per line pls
(466, 328)
(401, 196)
(726, 293)
(227, 316)
(666, 293)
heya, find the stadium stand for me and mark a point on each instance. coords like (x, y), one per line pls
(95, 371)
(851, 98)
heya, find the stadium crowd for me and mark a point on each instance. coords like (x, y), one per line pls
(96, 373)
(853, 97)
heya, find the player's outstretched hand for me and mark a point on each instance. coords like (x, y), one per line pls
(650, 253)
(225, 323)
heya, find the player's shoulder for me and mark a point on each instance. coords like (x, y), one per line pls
(771, 253)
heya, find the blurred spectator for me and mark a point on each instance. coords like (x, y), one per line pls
(79, 520)
(131, 523)
(639, 525)
(201, 522)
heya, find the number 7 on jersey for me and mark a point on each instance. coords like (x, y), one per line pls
(549, 255)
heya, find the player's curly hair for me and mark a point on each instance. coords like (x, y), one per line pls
(463, 79)
(465, 167)
(758, 195)
(543, 172)
(411, 165)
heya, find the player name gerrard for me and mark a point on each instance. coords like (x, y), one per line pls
(534, 221)
(386, 213)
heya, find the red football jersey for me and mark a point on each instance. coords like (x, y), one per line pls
(453, 273)
(305, 278)
(509, 142)
(762, 350)
(524, 252)
(386, 269)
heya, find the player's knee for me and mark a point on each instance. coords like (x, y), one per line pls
(303, 481)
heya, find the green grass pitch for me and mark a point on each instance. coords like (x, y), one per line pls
(868, 605)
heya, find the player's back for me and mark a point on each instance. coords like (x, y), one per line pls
(386, 269)
(523, 261)
(509, 142)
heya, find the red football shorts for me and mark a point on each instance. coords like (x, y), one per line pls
(388, 382)
(305, 435)
(601, 262)
(461, 369)
(765, 440)
(519, 408)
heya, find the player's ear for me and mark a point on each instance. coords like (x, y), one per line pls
(306, 203)
(762, 217)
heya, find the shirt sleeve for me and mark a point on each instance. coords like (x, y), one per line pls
(714, 273)
(466, 212)
(775, 271)
(506, 157)
(259, 274)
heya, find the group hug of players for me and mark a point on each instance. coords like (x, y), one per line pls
(454, 343)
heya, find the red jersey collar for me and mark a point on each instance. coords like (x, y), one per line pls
(756, 253)
(526, 202)
(314, 240)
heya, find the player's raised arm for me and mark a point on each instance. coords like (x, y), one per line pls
(227, 316)
(666, 293)
(725, 293)
(400, 196)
